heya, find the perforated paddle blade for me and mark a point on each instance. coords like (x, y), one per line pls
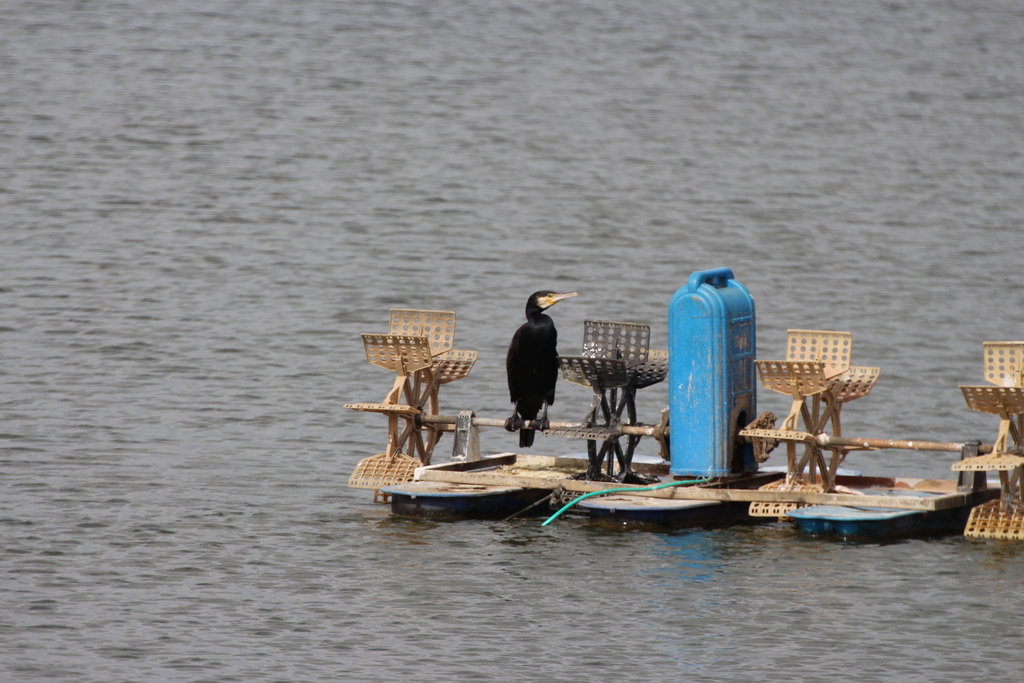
(381, 470)
(623, 341)
(992, 520)
(831, 349)
(780, 509)
(1003, 362)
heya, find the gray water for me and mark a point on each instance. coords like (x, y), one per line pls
(203, 203)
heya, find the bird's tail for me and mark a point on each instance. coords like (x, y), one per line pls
(526, 437)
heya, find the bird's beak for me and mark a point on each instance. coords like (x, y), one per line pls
(555, 298)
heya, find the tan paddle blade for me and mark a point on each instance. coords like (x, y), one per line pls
(993, 520)
(381, 470)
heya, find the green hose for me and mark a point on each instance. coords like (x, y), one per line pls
(631, 489)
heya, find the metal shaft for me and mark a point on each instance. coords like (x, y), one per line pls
(823, 440)
(826, 441)
(633, 430)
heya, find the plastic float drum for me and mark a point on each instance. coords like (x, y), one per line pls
(711, 375)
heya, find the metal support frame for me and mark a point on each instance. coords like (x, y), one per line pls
(418, 349)
(817, 374)
(615, 364)
(1003, 367)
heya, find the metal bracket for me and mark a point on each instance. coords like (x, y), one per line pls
(467, 439)
(971, 482)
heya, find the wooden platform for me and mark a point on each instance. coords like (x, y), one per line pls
(549, 472)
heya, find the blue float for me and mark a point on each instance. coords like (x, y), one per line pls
(712, 392)
(876, 523)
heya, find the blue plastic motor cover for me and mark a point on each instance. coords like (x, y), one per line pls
(712, 393)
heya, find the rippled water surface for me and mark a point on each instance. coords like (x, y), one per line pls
(202, 205)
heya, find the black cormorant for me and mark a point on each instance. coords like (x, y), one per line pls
(532, 365)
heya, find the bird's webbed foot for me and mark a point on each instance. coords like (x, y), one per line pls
(514, 424)
(542, 423)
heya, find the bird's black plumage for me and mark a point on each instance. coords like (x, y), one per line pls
(532, 365)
